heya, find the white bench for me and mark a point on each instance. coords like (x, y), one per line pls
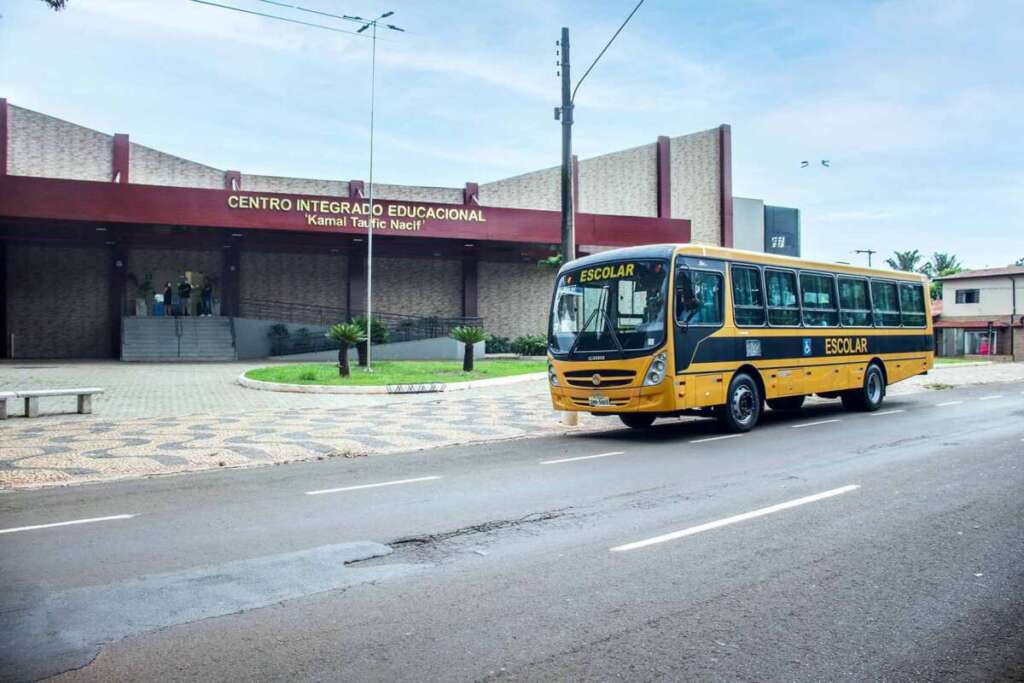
(32, 397)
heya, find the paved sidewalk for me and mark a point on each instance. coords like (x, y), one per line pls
(162, 419)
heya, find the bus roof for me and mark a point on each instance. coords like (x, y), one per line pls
(667, 250)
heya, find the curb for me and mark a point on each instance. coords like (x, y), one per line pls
(383, 388)
(951, 366)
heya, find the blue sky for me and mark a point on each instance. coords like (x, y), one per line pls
(916, 104)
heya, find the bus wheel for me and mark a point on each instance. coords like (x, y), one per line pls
(787, 403)
(637, 420)
(742, 409)
(869, 397)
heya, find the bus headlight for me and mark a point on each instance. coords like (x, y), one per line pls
(552, 375)
(656, 372)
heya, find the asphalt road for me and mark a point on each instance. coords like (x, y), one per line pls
(825, 545)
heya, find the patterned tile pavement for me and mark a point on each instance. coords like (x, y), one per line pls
(162, 419)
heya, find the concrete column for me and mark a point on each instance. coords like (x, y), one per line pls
(5, 352)
(664, 170)
(120, 162)
(231, 282)
(470, 286)
(116, 293)
(356, 283)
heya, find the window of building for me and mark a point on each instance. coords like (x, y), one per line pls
(968, 296)
(819, 300)
(886, 304)
(912, 305)
(854, 303)
(699, 298)
(783, 305)
(747, 297)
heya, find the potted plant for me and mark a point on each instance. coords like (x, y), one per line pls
(468, 336)
(347, 335)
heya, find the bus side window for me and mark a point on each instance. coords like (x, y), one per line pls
(699, 298)
(912, 305)
(747, 297)
(783, 305)
(886, 304)
(819, 299)
(854, 303)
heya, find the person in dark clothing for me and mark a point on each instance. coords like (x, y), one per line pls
(184, 292)
(206, 299)
(168, 297)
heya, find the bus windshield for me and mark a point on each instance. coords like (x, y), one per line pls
(611, 307)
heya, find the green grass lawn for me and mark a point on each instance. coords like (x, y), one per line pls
(956, 361)
(395, 372)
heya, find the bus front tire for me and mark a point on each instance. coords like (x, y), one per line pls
(869, 397)
(742, 407)
(789, 403)
(637, 420)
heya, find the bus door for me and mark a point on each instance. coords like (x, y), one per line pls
(699, 304)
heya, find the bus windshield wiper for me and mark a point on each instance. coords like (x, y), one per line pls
(583, 329)
(615, 337)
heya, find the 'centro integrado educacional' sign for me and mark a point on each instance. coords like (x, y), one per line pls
(343, 213)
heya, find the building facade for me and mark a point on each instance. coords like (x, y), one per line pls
(982, 314)
(94, 226)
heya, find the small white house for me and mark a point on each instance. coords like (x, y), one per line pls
(982, 313)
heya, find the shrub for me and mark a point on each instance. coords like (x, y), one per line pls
(308, 375)
(380, 333)
(530, 345)
(499, 345)
(469, 336)
(347, 335)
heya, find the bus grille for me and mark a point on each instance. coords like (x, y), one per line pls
(608, 378)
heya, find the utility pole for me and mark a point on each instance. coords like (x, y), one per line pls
(869, 252)
(565, 113)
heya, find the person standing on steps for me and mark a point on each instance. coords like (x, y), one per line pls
(206, 298)
(168, 299)
(184, 292)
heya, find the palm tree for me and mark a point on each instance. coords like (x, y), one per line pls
(905, 260)
(469, 336)
(347, 335)
(941, 264)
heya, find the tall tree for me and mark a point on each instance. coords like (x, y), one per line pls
(56, 5)
(905, 260)
(941, 264)
(1020, 262)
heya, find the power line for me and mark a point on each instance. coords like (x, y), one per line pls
(279, 18)
(603, 50)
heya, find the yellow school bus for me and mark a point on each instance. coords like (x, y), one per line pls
(666, 330)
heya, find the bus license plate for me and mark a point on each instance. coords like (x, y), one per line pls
(599, 400)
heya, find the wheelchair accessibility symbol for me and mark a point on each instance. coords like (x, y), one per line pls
(807, 346)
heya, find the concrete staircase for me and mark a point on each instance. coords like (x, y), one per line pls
(177, 339)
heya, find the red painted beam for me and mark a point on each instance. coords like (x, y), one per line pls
(664, 160)
(82, 200)
(119, 164)
(725, 182)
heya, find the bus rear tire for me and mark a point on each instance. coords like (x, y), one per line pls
(869, 397)
(637, 420)
(789, 403)
(742, 408)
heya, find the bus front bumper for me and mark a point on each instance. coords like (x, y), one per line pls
(656, 399)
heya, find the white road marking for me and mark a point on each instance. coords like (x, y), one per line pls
(716, 438)
(889, 412)
(948, 403)
(733, 520)
(815, 424)
(370, 486)
(989, 398)
(581, 457)
(68, 523)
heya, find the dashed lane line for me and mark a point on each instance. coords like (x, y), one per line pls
(716, 438)
(734, 519)
(90, 520)
(989, 398)
(370, 486)
(948, 403)
(581, 457)
(815, 424)
(889, 412)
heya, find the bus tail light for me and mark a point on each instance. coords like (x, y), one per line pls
(656, 373)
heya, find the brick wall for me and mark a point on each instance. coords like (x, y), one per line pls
(536, 190)
(622, 183)
(415, 193)
(58, 301)
(695, 184)
(148, 166)
(418, 287)
(269, 183)
(47, 147)
(514, 297)
(294, 277)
